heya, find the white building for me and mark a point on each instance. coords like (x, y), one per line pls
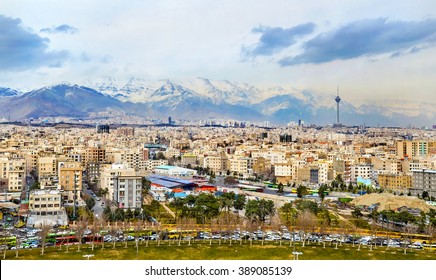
(13, 173)
(110, 173)
(365, 171)
(45, 207)
(174, 171)
(128, 192)
(323, 172)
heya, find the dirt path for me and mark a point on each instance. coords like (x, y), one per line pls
(168, 209)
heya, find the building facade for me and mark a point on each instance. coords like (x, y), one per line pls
(423, 180)
(128, 192)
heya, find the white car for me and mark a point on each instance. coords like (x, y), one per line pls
(416, 245)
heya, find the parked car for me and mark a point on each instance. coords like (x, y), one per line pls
(416, 245)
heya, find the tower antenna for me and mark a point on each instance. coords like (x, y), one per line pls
(337, 99)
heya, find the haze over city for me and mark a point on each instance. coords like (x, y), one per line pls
(374, 50)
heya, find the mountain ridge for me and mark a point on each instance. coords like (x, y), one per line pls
(201, 98)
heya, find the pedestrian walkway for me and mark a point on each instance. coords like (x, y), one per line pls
(168, 209)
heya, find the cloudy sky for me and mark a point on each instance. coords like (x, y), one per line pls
(374, 50)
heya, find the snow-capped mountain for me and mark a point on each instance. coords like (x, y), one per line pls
(200, 98)
(58, 100)
(4, 92)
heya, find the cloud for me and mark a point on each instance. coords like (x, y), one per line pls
(369, 37)
(20, 49)
(275, 39)
(64, 28)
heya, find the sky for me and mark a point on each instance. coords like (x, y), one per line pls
(373, 50)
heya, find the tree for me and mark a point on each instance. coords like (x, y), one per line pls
(90, 203)
(356, 213)
(404, 217)
(281, 188)
(81, 226)
(212, 177)
(251, 209)
(374, 216)
(302, 191)
(155, 208)
(230, 180)
(107, 213)
(45, 228)
(128, 215)
(227, 200)
(239, 202)
(290, 213)
(425, 195)
(137, 213)
(206, 207)
(102, 192)
(321, 192)
(119, 214)
(259, 210)
(35, 186)
(146, 184)
(178, 204)
(303, 204)
(305, 221)
(94, 231)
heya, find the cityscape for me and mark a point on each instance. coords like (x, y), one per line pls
(204, 130)
(66, 184)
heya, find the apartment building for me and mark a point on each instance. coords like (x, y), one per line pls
(283, 172)
(240, 165)
(128, 192)
(151, 164)
(70, 179)
(95, 154)
(414, 148)
(216, 163)
(364, 171)
(323, 171)
(12, 173)
(47, 167)
(261, 166)
(131, 158)
(394, 182)
(423, 180)
(387, 166)
(109, 174)
(45, 207)
(190, 159)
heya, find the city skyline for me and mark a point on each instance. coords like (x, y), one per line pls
(374, 52)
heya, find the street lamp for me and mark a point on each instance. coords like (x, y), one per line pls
(88, 256)
(296, 255)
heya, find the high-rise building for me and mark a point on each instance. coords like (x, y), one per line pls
(70, 179)
(128, 191)
(102, 128)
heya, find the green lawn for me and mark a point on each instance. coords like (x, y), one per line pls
(203, 251)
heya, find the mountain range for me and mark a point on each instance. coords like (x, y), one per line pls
(200, 99)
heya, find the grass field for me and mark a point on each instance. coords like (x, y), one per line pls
(200, 250)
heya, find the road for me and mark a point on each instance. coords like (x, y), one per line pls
(98, 207)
